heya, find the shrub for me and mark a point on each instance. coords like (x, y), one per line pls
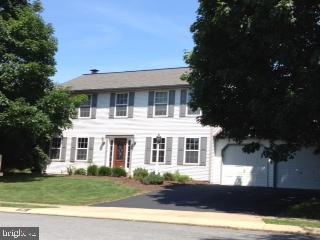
(92, 170)
(168, 176)
(176, 177)
(70, 170)
(184, 179)
(118, 172)
(153, 179)
(104, 171)
(140, 173)
(181, 178)
(80, 171)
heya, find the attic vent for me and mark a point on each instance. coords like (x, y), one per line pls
(94, 71)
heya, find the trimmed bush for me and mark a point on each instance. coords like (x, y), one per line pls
(80, 171)
(168, 176)
(181, 178)
(184, 179)
(92, 170)
(176, 177)
(140, 173)
(104, 171)
(118, 172)
(153, 179)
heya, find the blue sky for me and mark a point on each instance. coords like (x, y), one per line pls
(119, 35)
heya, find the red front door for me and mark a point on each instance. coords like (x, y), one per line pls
(119, 155)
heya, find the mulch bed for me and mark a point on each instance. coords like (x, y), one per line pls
(129, 182)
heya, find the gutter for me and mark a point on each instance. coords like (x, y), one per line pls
(138, 88)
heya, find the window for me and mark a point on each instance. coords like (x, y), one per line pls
(189, 109)
(160, 103)
(158, 150)
(85, 108)
(82, 149)
(55, 148)
(122, 104)
(192, 151)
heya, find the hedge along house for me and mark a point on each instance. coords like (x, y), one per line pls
(142, 119)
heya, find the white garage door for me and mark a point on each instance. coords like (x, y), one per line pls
(301, 172)
(239, 168)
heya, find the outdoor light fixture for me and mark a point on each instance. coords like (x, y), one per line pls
(158, 139)
(133, 143)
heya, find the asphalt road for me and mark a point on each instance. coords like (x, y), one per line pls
(65, 228)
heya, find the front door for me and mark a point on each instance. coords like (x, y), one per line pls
(120, 149)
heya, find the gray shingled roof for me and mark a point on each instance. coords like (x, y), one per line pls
(153, 78)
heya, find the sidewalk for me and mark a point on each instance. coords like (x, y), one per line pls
(208, 219)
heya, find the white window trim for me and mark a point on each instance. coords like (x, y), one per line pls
(127, 105)
(188, 108)
(154, 105)
(185, 151)
(165, 152)
(56, 159)
(80, 160)
(90, 108)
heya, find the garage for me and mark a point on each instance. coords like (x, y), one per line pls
(301, 172)
(239, 168)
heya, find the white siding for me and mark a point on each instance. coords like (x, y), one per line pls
(141, 127)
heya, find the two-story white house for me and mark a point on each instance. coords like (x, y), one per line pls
(142, 119)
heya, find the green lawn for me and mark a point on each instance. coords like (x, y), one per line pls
(61, 190)
(305, 214)
(293, 222)
(22, 205)
(309, 209)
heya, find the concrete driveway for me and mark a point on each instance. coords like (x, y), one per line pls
(204, 197)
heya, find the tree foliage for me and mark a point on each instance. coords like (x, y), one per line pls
(32, 108)
(255, 72)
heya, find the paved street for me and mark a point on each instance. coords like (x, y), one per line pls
(65, 228)
(231, 199)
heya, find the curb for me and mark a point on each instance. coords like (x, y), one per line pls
(204, 219)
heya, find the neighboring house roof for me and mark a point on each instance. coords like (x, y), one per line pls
(153, 78)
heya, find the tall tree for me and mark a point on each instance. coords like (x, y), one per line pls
(255, 72)
(32, 109)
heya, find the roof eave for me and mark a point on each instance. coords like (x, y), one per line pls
(130, 88)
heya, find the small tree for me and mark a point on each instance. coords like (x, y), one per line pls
(32, 109)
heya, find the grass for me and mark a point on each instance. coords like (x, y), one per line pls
(22, 205)
(293, 222)
(61, 190)
(309, 209)
(305, 214)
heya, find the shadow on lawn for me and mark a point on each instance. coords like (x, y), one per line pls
(233, 199)
(22, 177)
